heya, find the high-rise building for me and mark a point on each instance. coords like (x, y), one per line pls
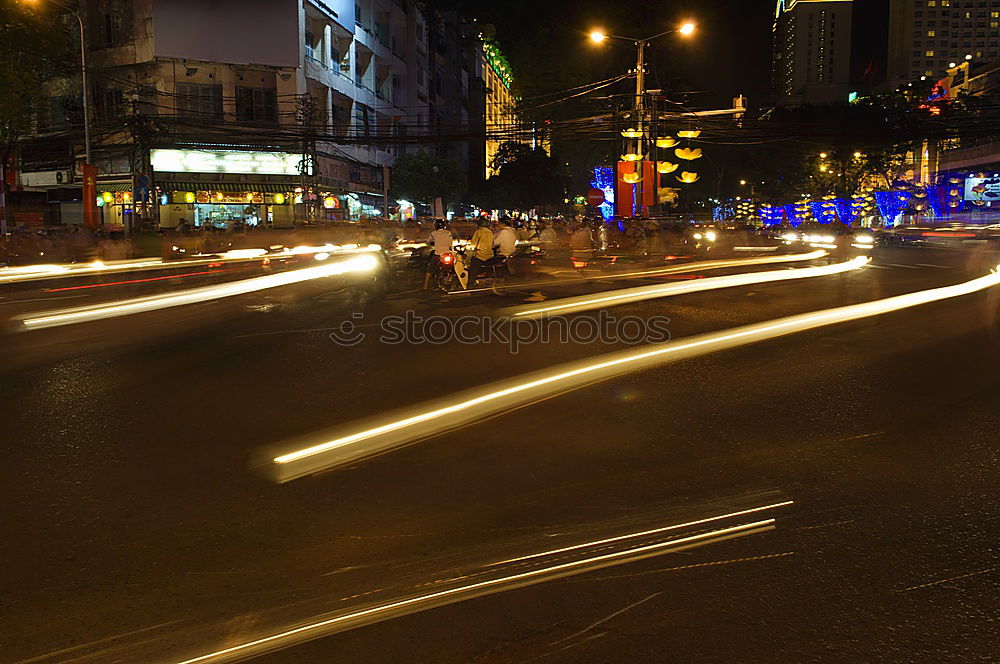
(812, 51)
(927, 37)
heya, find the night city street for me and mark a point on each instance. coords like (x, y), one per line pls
(143, 535)
(466, 331)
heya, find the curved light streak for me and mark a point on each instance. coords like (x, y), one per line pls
(629, 295)
(700, 266)
(360, 263)
(61, 270)
(469, 591)
(432, 419)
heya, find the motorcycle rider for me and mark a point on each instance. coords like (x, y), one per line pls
(482, 249)
(440, 242)
(506, 239)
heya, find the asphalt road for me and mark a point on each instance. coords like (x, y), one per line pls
(136, 530)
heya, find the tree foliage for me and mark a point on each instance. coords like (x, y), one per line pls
(32, 51)
(525, 178)
(420, 177)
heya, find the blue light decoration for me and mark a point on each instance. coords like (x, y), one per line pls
(772, 215)
(723, 211)
(846, 210)
(891, 205)
(604, 179)
(792, 215)
(823, 211)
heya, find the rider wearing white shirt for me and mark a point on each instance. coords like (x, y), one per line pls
(506, 239)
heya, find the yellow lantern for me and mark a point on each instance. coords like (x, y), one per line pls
(666, 142)
(189, 197)
(279, 199)
(218, 195)
(631, 157)
(687, 177)
(631, 178)
(689, 133)
(666, 167)
(108, 196)
(329, 202)
(631, 133)
(688, 153)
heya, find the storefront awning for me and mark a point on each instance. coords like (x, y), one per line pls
(114, 186)
(262, 187)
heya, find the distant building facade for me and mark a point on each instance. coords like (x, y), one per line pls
(928, 37)
(812, 51)
(257, 111)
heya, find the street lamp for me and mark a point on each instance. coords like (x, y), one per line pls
(83, 72)
(598, 36)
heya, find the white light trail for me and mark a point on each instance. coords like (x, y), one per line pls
(459, 410)
(646, 533)
(63, 270)
(359, 263)
(700, 266)
(469, 591)
(629, 295)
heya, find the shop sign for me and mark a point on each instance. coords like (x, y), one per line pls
(224, 161)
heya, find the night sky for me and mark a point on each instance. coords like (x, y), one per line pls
(731, 53)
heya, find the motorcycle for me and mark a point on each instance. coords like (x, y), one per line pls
(452, 266)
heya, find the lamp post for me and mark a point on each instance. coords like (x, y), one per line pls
(599, 36)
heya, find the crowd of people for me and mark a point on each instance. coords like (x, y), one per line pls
(71, 244)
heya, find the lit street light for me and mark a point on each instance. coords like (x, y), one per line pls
(598, 36)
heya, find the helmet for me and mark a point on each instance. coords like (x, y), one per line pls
(439, 224)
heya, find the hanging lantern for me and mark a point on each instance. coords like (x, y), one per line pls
(666, 142)
(631, 157)
(953, 192)
(329, 202)
(189, 197)
(954, 180)
(218, 195)
(689, 133)
(279, 199)
(687, 177)
(127, 197)
(100, 201)
(631, 178)
(631, 133)
(107, 196)
(689, 154)
(666, 167)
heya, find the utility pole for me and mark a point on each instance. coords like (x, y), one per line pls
(640, 111)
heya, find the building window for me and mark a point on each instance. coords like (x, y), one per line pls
(309, 46)
(929, 54)
(57, 113)
(113, 105)
(931, 33)
(197, 100)
(363, 116)
(116, 28)
(256, 104)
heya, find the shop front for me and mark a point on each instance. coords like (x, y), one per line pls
(226, 205)
(226, 188)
